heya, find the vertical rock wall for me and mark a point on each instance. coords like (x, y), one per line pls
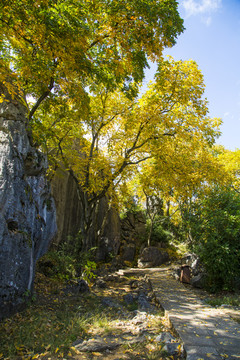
(68, 208)
(27, 210)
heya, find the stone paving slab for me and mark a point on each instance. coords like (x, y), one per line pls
(206, 332)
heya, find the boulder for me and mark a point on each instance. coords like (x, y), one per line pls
(129, 251)
(199, 281)
(152, 257)
(165, 337)
(143, 303)
(27, 209)
(174, 349)
(193, 261)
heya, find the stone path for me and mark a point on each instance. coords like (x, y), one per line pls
(206, 332)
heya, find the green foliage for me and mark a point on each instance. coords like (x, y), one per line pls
(65, 265)
(130, 206)
(159, 233)
(58, 265)
(66, 45)
(232, 300)
(215, 225)
(88, 269)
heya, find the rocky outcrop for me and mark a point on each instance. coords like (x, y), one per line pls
(133, 227)
(68, 207)
(152, 257)
(27, 210)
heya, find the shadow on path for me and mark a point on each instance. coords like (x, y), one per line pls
(207, 332)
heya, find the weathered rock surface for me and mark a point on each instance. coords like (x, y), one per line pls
(68, 206)
(152, 257)
(198, 274)
(133, 226)
(193, 261)
(107, 342)
(27, 210)
(199, 281)
(129, 252)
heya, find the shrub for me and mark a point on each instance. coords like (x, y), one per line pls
(215, 225)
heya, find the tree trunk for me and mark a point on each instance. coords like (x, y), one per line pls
(150, 234)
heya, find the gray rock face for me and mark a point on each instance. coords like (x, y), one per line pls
(69, 208)
(193, 261)
(199, 281)
(129, 251)
(27, 210)
(133, 226)
(152, 257)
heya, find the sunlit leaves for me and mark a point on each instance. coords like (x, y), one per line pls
(230, 160)
(64, 42)
(169, 124)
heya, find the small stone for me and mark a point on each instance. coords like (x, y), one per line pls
(199, 280)
(128, 299)
(109, 302)
(173, 348)
(165, 337)
(143, 302)
(101, 284)
(82, 286)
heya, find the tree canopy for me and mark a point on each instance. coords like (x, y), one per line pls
(166, 134)
(63, 46)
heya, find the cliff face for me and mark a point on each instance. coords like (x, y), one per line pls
(68, 208)
(27, 210)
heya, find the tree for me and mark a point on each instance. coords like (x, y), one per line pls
(230, 160)
(62, 46)
(117, 135)
(215, 224)
(154, 208)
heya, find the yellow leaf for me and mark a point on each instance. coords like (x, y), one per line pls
(96, 353)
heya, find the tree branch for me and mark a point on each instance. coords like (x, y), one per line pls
(41, 99)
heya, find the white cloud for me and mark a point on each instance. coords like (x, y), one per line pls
(227, 113)
(207, 20)
(201, 7)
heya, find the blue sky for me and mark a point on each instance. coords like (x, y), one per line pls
(212, 39)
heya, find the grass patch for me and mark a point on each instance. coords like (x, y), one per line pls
(51, 324)
(57, 318)
(231, 300)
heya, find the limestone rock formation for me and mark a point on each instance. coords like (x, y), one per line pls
(27, 210)
(152, 257)
(68, 207)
